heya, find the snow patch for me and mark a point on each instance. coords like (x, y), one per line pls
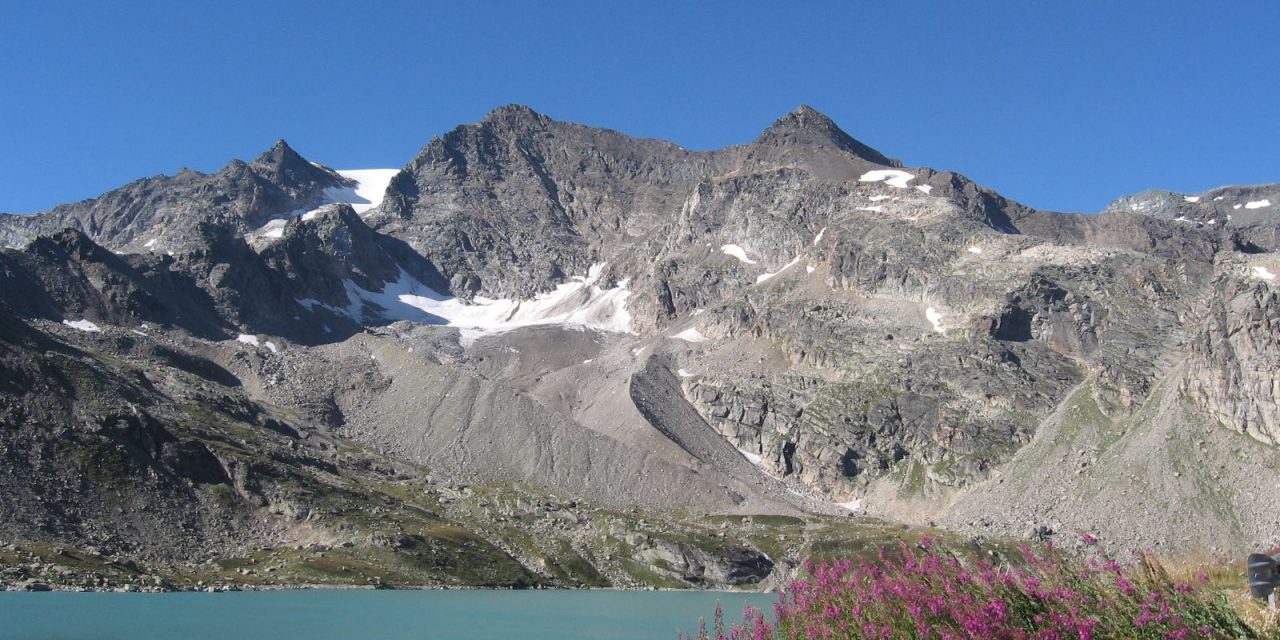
(247, 339)
(924, 188)
(690, 335)
(1263, 273)
(685, 374)
(311, 215)
(878, 198)
(737, 252)
(141, 333)
(1257, 204)
(810, 268)
(935, 319)
(891, 177)
(150, 243)
(82, 325)
(371, 187)
(977, 250)
(272, 346)
(876, 209)
(852, 505)
(1235, 206)
(818, 238)
(272, 229)
(751, 457)
(1191, 198)
(587, 361)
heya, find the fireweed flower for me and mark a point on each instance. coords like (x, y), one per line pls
(924, 591)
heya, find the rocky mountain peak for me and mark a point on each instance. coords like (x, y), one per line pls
(516, 117)
(807, 126)
(296, 175)
(280, 154)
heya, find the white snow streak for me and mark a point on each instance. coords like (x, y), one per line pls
(751, 457)
(764, 277)
(977, 250)
(1191, 198)
(685, 374)
(272, 346)
(1257, 204)
(878, 198)
(876, 209)
(247, 339)
(818, 238)
(891, 177)
(924, 188)
(1263, 273)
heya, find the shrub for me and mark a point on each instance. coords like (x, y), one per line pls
(926, 592)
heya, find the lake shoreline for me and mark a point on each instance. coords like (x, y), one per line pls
(35, 586)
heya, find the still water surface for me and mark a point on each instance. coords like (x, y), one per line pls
(390, 615)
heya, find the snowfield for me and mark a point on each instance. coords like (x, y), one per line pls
(578, 304)
(371, 187)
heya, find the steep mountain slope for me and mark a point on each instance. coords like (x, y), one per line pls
(796, 325)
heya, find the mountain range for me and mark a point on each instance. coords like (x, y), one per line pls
(545, 353)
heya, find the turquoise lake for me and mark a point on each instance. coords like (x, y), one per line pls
(389, 615)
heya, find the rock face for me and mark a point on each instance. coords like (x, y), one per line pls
(783, 326)
(1236, 354)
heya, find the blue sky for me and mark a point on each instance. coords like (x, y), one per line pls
(1062, 105)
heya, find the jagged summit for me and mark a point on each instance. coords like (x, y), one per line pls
(515, 116)
(807, 126)
(279, 153)
(284, 165)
